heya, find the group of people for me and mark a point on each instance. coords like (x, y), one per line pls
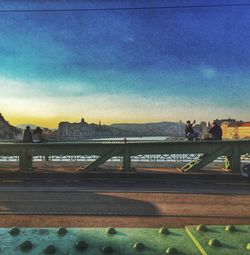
(35, 137)
(215, 131)
(190, 134)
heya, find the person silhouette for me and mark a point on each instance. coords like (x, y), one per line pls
(37, 135)
(27, 135)
(216, 131)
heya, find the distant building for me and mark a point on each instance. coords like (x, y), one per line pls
(75, 130)
(235, 129)
(83, 130)
(171, 129)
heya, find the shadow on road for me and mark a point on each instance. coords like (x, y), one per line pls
(87, 203)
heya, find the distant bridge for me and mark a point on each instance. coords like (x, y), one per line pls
(208, 151)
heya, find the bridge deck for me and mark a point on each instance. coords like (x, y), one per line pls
(149, 201)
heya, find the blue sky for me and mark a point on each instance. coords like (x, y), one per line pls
(124, 66)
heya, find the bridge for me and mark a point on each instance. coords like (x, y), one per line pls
(207, 151)
(127, 216)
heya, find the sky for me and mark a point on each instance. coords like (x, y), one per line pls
(129, 66)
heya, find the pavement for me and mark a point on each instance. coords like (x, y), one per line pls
(125, 182)
(123, 200)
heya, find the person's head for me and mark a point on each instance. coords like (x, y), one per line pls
(214, 123)
(38, 130)
(28, 127)
(188, 122)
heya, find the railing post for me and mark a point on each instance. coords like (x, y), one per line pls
(25, 161)
(236, 159)
(126, 159)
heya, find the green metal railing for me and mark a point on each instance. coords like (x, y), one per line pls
(208, 150)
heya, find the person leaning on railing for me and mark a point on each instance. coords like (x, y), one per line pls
(27, 135)
(189, 131)
(215, 131)
(37, 135)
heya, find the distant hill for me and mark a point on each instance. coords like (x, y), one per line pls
(7, 131)
(153, 129)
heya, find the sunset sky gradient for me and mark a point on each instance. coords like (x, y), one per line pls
(124, 66)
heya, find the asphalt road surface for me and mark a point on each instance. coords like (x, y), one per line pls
(123, 201)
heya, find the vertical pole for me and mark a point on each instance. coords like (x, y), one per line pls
(25, 161)
(236, 159)
(126, 160)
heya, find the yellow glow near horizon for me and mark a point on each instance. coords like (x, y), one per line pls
(21, 104)
(53, 122)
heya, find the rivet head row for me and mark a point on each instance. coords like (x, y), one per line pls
(172, 251)
(26, 245)
(202, 227)
(14, 231)
(62, 231)
(230, 228)
(81, 245)
(164, 231)
(107, 249)
(111, 231)
(50, 249)
(139, 246)
(248, 247)
(214, 242)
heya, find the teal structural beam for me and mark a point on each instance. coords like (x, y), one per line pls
(236, 159)
(102, 159)
(126, 159)
(203, 160)
(233, 159)
(25, 161)
(210, 150)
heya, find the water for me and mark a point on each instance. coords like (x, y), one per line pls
(142, 138)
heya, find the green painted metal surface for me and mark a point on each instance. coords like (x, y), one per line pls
(221, 240)
(193, 240)
(95, 241)
(211, 150)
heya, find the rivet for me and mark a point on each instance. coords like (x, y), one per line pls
(62, 231)
(248, 247)
(26, 245)
(202, 227)
(50, 249)
(171, 251)
(231, 228)
(139, 246)
(81, 245)
(164, 231)
(14, 231)
(111, 231)
(107, 249)
(214, 242)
